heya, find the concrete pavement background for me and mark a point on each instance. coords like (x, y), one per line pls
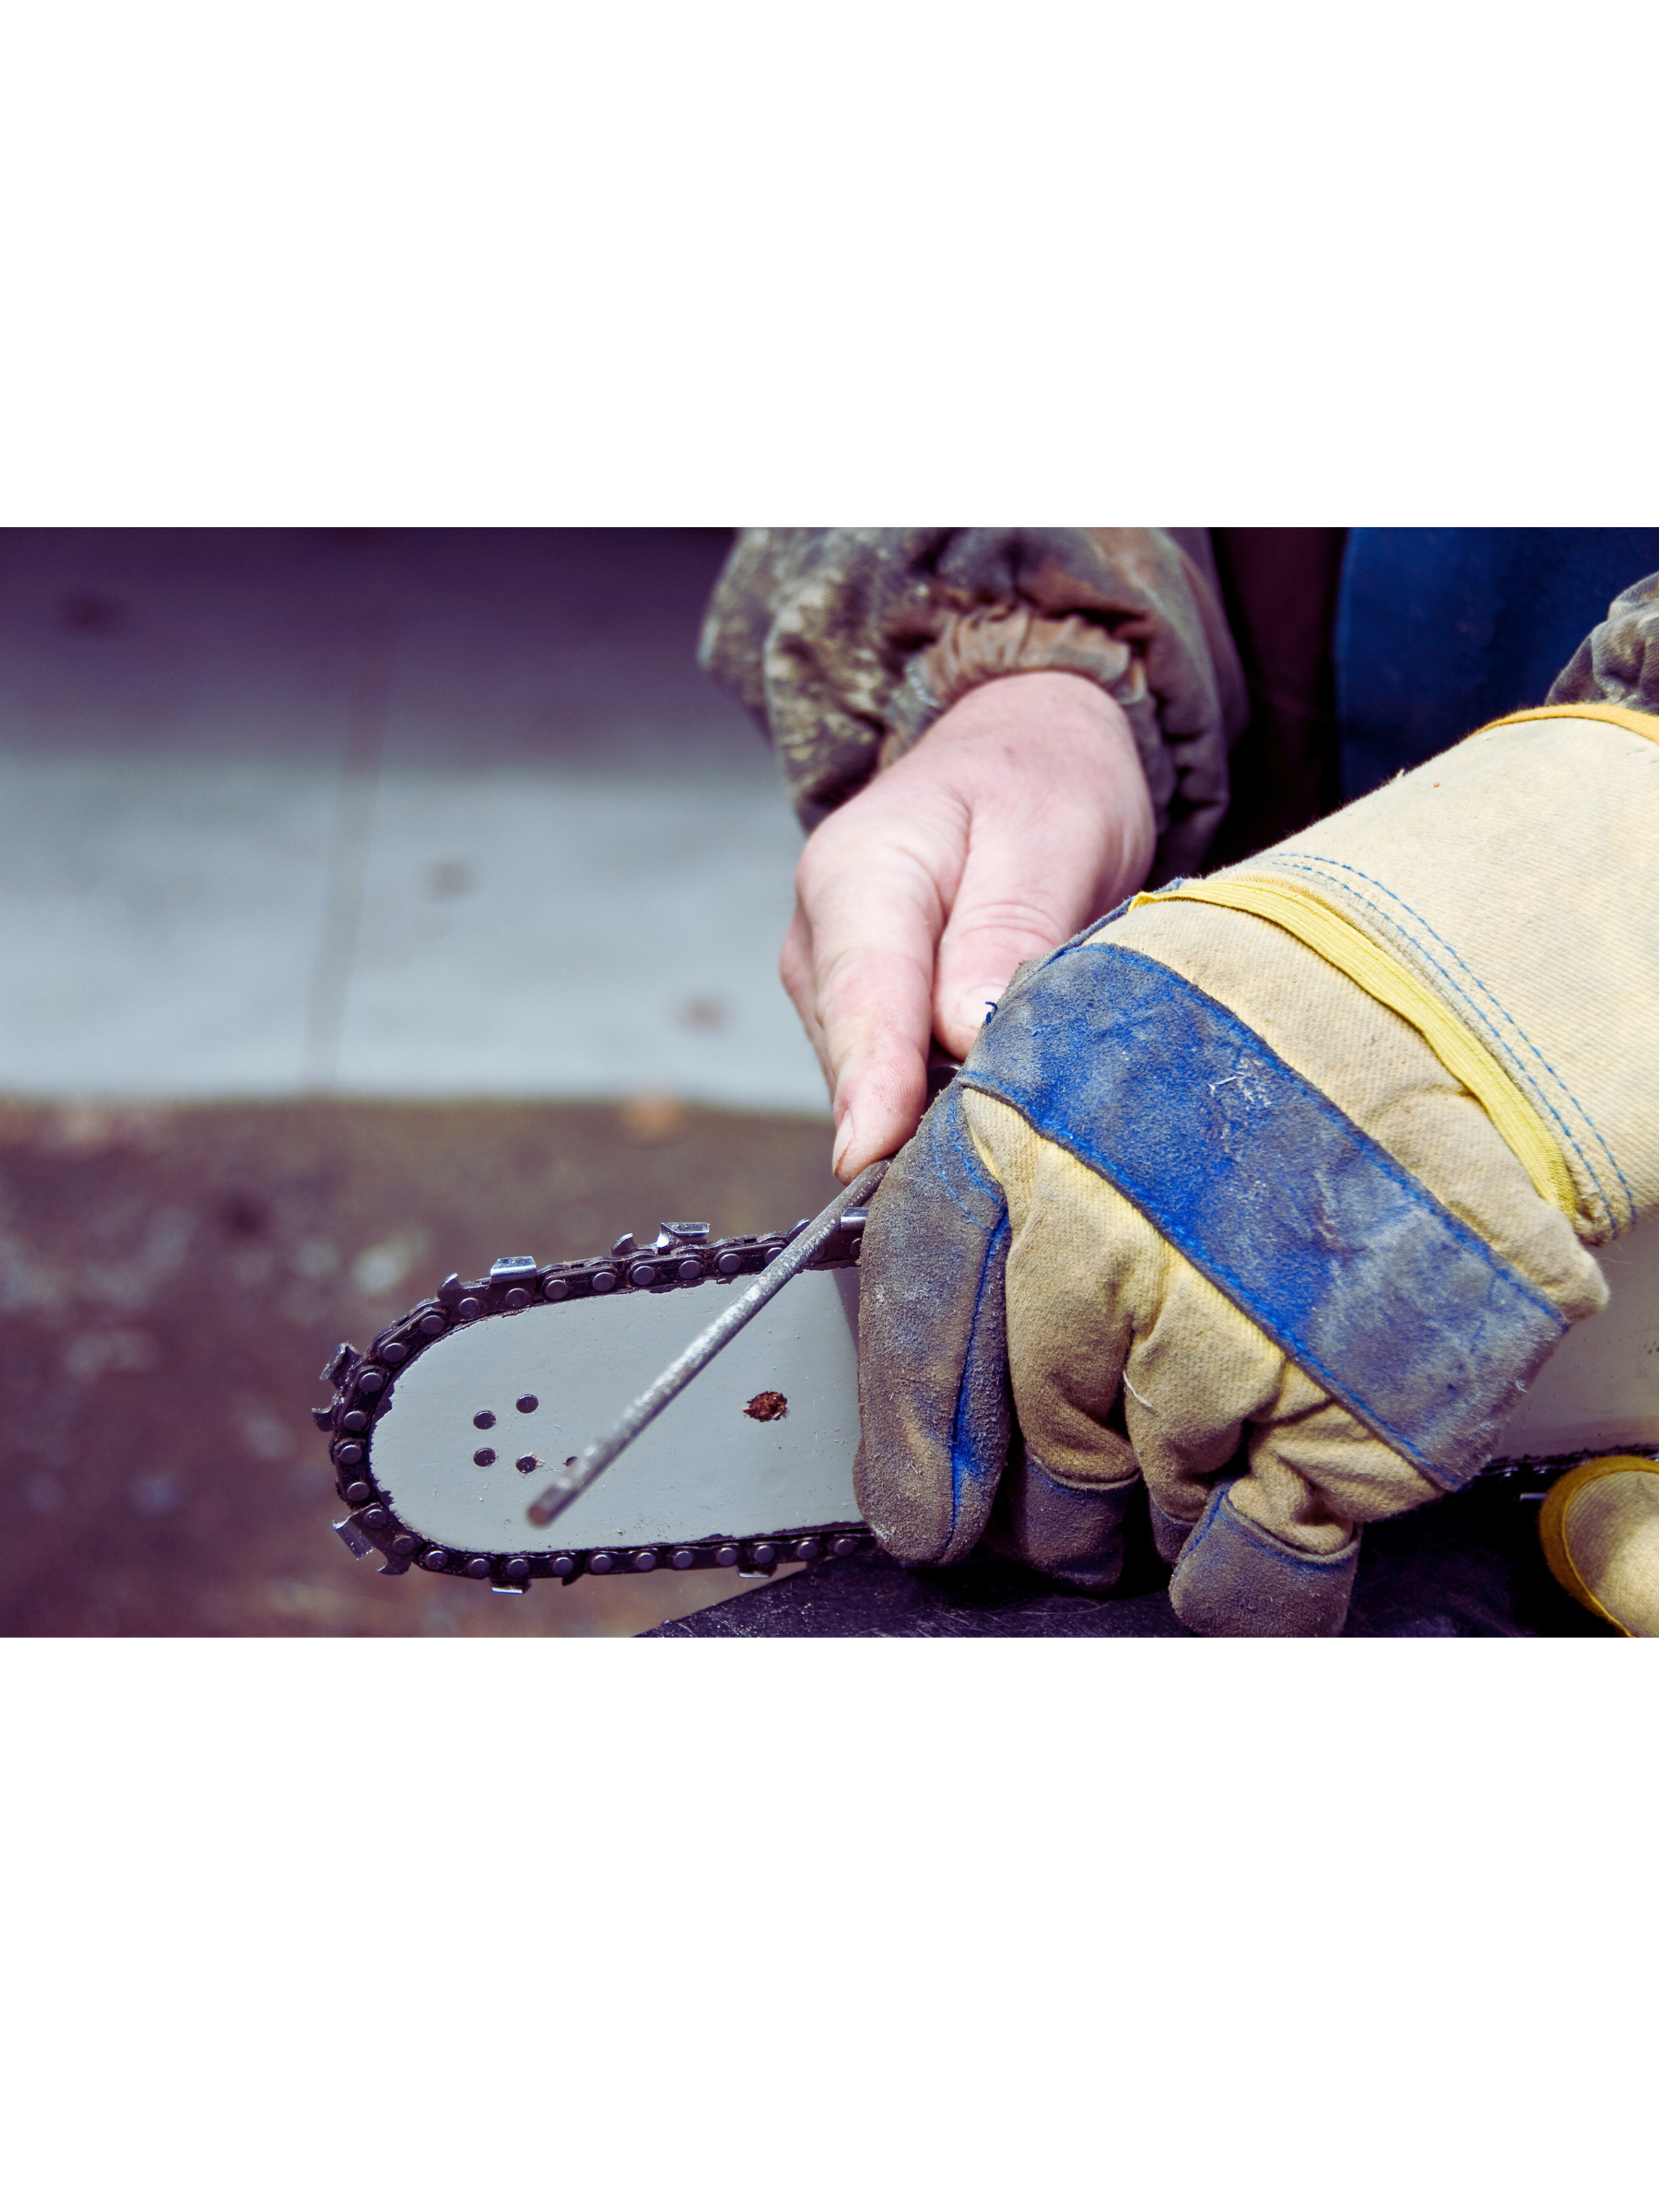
(400, 814)
(371, 902)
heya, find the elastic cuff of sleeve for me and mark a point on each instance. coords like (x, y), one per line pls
(1070, 1530)
(1234, 1579)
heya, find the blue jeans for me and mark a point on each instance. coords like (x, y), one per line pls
(1440, 630)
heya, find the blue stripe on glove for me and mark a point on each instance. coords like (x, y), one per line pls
(933, 1346)
(1331, 1247)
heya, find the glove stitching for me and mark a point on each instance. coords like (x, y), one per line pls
(962, 1467)
(1227, 1279)
(1302, 864)
(1263, 1540)
(1402, 1177)
(968, 1155)
(951, 1129)
(1082, 1490)
(1497, 1036)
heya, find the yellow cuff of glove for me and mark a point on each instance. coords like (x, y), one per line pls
(1599, 1527)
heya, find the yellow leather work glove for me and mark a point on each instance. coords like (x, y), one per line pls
(1274, 1190)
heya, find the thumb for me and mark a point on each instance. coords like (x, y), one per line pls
(997, 922)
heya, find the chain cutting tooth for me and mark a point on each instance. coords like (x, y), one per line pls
(361, 1383)
(352, 1537)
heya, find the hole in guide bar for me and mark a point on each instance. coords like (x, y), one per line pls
(767, 1405)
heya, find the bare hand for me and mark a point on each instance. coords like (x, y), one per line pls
(1021, 815)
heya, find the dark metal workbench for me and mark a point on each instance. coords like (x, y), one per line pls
(1468, 1566)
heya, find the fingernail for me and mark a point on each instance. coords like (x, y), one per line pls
(844, 1133)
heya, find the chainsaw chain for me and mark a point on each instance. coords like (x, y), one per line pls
(679, 1258)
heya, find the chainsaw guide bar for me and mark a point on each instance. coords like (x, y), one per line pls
(439, 1430)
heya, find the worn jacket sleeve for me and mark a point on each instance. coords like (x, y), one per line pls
(846, 645)
(1617, 664)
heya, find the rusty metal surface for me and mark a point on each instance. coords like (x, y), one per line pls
(170, 1281)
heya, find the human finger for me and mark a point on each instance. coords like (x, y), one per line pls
(872, 912)
(794, 969)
